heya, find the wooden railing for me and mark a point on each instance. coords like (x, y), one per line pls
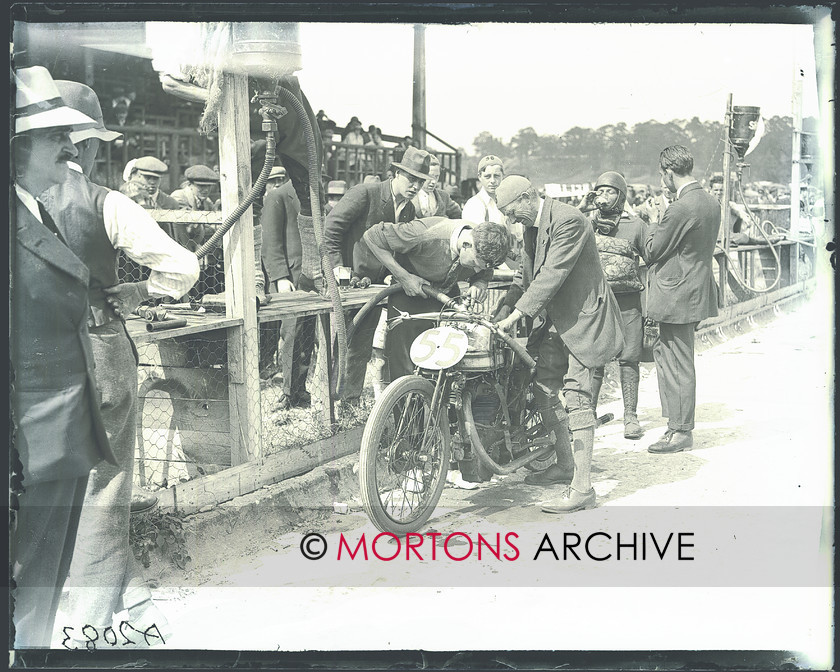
(353, 162)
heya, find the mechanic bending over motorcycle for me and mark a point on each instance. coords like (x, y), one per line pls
(562, 278)
(437, 251)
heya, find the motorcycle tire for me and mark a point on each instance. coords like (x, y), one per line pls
(401, 476)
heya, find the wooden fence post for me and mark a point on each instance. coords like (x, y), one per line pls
(240, 295)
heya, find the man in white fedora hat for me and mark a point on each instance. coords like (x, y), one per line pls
(98, 224)
(60, 433)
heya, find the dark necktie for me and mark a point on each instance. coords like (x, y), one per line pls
(530, 241)
(49, 223)
(451, 276)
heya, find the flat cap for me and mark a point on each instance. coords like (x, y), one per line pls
(511, 188)
(149, 165)
(201, 175)
(276, 173)
(337, 187)
(490, 160)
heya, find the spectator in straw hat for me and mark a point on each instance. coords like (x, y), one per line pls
(60, 434)
(335, 191)
(98, 224)
(361, 207)
(562, 279)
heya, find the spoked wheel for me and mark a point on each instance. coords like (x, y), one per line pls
(404, 456)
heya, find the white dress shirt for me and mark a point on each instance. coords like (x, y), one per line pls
(132, 230)
(29, 201)
(480, 208)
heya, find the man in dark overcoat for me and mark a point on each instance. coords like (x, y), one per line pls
(681, 291)
(562, 279)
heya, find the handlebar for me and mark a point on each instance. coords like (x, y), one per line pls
(518, 349)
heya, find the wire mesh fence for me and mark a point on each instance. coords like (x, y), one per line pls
(192, 420)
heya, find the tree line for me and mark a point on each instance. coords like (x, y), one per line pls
(581, 154)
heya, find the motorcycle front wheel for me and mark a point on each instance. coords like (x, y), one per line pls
(404, 456)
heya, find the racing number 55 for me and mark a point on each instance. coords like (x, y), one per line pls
(439, 348)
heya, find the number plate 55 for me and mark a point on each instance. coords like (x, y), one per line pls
(439, 348)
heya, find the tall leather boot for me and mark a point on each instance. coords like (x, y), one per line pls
(630, 393)
(555, 419)
(580, 494)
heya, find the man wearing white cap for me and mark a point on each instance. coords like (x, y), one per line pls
(562, 280)
(60, 434)
(276, 178)
(335, 192)
(142, 184)
(97, 224)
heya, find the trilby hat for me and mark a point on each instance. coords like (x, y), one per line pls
(415, 162)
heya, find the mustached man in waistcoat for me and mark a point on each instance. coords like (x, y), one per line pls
(98, 224)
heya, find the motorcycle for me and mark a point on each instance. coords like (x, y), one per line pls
(470, 400)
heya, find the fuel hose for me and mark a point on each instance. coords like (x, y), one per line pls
(289, 99)
(256, 191)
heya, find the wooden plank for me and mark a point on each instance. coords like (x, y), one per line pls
(240, 480)
(196, 324)
(240, 295)
(322, 401)
(168, 216)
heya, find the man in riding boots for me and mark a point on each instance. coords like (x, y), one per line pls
(562, 278)
(620, 238)
(433, 250)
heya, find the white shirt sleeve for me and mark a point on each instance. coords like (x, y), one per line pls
(132, 230)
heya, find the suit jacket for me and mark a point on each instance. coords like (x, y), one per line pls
(56, 400)
(360, 208)
(187, 198)
(681, 283)
(561, 274)
(281, 246)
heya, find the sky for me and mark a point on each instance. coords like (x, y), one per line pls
(504, 77)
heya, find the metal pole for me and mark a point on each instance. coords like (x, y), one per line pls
(418, 109)
(725, 215)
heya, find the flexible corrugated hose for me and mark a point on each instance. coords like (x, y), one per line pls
(256, 191)
(288, 98)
